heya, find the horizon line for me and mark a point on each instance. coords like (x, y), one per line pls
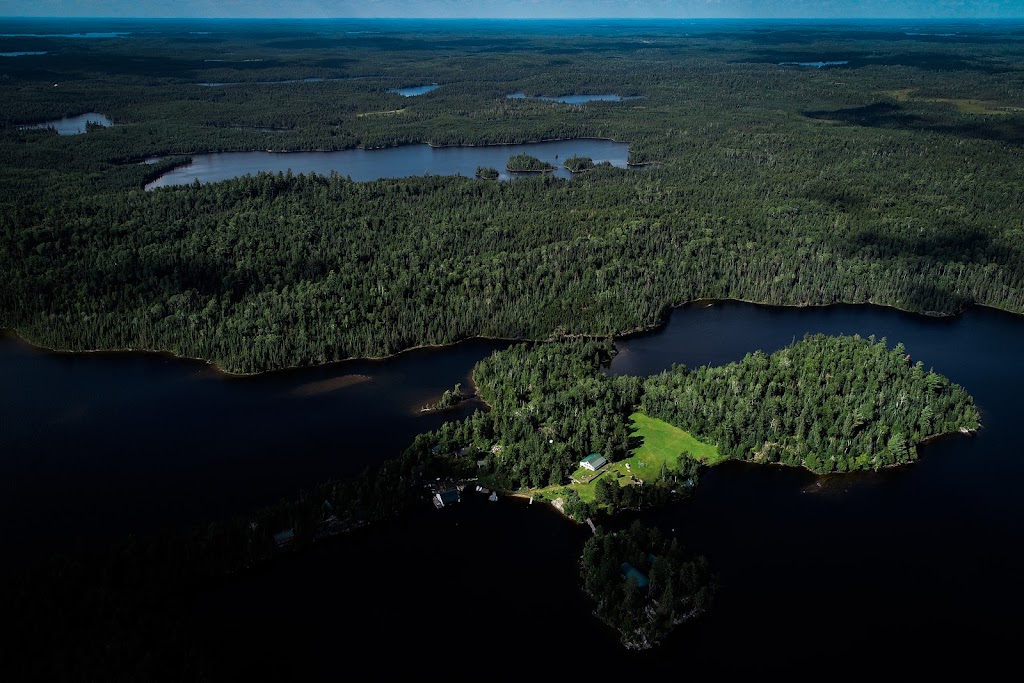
(468, 18)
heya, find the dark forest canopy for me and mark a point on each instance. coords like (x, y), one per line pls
(893, 180)
(643, 583)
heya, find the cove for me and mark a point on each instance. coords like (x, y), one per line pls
(391, 162)
(72, 125)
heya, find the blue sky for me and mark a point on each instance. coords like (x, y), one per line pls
(518, 8)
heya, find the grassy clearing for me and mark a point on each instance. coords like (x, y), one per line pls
(662, 444)
(378, 113)
(965, 105)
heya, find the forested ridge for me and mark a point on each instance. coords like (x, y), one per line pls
(272, 271)
(894, 180)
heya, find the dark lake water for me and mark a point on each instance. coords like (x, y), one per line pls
(21, 54)
(909, 567)
(166, 442)
(415, 90)
(814, 64)
(73, 125)
(86, 34)
(392, 162)
(575, 99)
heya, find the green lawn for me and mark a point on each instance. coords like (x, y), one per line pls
(662, 443)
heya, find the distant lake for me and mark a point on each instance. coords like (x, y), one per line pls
(575, 99)
(290, 80)
(815, 64)
(111, 34)
(392, 162)
(72, 125)
(20, 54)
(414, 91)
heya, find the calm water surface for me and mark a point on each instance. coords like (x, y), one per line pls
(392, 162)
(73, 125)
(819, 65)
(415, 90)
(575, 99)
(128, 442)
(915, 566)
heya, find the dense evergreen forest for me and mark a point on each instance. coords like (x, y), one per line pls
(829, 404)
(893, 179)
(825, 403)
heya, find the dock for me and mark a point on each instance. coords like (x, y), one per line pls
(590, 522)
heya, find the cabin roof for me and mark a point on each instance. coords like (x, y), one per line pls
(629, 570)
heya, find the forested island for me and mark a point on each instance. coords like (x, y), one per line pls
(578, 164)
(527, 163)
(644, 584)
(561, 430)
(487, 172)
(450, 398)
(828, 404)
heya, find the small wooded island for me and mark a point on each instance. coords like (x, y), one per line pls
(527, 163)
(449, 399)
(577, 164)
(643, 583)
(487, 172)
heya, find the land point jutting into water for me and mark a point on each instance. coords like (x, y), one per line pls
(405, 368)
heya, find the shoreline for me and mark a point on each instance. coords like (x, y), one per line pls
(623, 335)
(170, 155)
(321, 150)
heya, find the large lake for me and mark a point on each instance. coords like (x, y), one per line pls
(392, 162)
(876, 568)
